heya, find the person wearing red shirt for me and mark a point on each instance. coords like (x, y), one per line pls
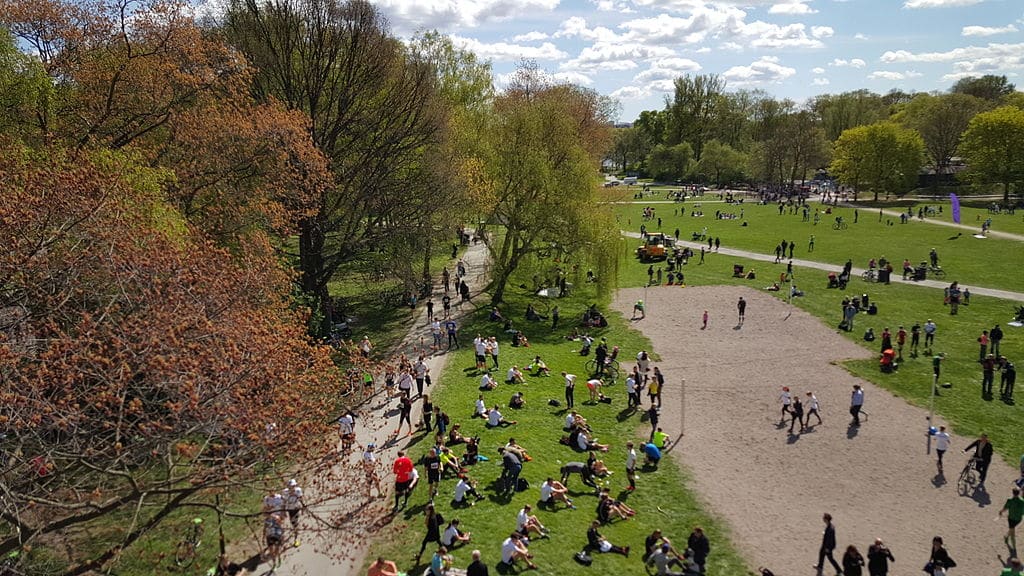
(402, 468)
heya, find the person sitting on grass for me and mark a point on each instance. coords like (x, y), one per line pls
(449, 461)
(453, 536)
(597, 467)
(516, 402)
(472, 452)
(518, 450)
(552, 491)
(514, 376)
(440, 562)
(383, 567)
(496, 316)
(513, 550)
(465, 487)
(487, 382)
(585, 443)
(455, 435)
(495, 419)
(538, 367)
(660, 439)
(597, 542)
(607, 508)
(480, 409)
(652, 455)
(526, 523)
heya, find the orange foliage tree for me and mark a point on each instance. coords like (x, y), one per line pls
(143, 368)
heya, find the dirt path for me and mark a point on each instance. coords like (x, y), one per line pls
(855, 271)
(772, 487)
(320, 551)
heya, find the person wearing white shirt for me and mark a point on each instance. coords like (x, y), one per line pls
(480, 347)
(464, 487)
(552, 491)
(495, 419)
(643, 361)
(631, 466)
(405, 381)
(941, 445)
(813, 409)
(420, 370)
(630, 391)
(481, 408)
(293, 502)
(856, 404)
(435, 331)
(526, 523)
(570, 419)
(493, 344)
(487, 382)
(514, 375)
(453, 535)
(570, 387)
(787, 399)
(512, 549)
(273, 502)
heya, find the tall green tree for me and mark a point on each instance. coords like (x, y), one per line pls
(993, 146)
(721, 162)
(374, 114)
(544, 145)
(692, 110)
(839, 112)
(881, 157)
(669, 163)
(941, 120)
(988, 87)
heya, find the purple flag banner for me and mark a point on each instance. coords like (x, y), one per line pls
(955, 207)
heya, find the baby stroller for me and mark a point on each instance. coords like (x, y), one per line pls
(888, 362)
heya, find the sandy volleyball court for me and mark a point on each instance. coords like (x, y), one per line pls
(771, 487)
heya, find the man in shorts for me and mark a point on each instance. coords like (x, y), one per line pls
(293, 504)
(369, 463)
(941, 445)
(402, 469)
(1014, 508)
(513, 549)
(433, 464)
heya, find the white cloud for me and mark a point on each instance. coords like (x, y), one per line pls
(820, 82)
(573, 78)
(818, 70)
(667, 69)
(408, 15)
(842, 63)
(702, 50)
(957, 54)
(612, 6)
(764, 35)
(890, 75)
(987, 30)
(822, 31)
(631, 93)
(576, 27)
(530, 37)
(791, 7)
(939, 3)
(860, 36)
(731, 46)
(765, 70)
(509, 52)
(611, 56)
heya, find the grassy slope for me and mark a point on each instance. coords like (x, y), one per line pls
(539, 430)
(899, 303)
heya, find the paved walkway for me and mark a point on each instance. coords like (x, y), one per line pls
(855, 272)
(334, 551)
(972, 229)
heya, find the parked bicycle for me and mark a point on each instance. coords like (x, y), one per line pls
(185, 553)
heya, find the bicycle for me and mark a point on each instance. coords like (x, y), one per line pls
(937, 271)
(840, 226)
(611, 368)
(969, 476)
(185, 553)
(870, 276)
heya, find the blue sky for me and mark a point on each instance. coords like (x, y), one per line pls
(632, 49)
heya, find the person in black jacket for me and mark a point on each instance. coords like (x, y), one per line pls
(597, 542)
(828, 545)
(939, 557)
(879, 557)
(983, 452)
(701, 546)
(477, 567)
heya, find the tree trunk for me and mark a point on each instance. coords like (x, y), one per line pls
(313, 281)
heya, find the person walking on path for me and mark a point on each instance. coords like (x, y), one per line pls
(1014, 508)
(856, 404)
(828, 545)
(813, 408)
(570, 388)
(453, 333)
(983, 453)
(939, 560)
(704, 318)
(787, 400)
(741, 307)
(879, 557)
(942, 441)
(434, 521)
(797, 411)
(402, 468)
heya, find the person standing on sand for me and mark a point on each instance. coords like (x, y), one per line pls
(741, 306)
(797, 411)
(941, 445)
(879, 557)
(828, 545)
(705, 319)
(813, 409)
(856, 404)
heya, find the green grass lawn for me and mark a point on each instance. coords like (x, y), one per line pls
(991, 262)
(898, 303)
(539, 430)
